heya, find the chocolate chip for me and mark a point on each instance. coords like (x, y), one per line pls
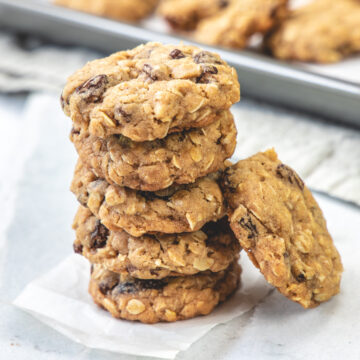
(300, 278)
(249, 226)
(99, 236)
(108, 284)
(206, 70)
(91, 268)
(206, 57)
(78, 248)
(285, 172)
(148, 70)
(92, 90)
(176, 54)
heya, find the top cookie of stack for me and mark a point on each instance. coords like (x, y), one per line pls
(152, 92)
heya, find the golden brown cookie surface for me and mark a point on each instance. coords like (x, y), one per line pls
(169, 299)
(213, 248)
(128, 10)
(323, 31)
(154, 165)
(177, 209)
(234, 26)
(281, 227)
(150, 91)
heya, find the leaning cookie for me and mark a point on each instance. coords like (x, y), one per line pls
(179, 158)
(281, 227)
(212, 248)
(150, 91)
(323, 31)
(185, 14)
(128, 10)
(169, 299)
(234, 26)
(177, 209)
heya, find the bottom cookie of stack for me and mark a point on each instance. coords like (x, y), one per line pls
(168, 299)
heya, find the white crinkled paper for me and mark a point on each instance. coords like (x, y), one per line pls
(60, 299)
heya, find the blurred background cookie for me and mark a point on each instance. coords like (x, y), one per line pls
(128, 10)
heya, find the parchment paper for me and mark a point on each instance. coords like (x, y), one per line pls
(60, 299)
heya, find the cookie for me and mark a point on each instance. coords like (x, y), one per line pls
(281, 227)
(212, 248)
(150, 91)
(234, 26)
(169, 299)
(185, 14)
(177, 209)
(324, 31)
(128, 10)
(179, 158)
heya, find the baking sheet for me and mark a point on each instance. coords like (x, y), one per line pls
(336, 97)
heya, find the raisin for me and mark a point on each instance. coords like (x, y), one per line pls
(176, 54)
(99, 236)
(62, 102)
(78, 248)
(249, 226)
(285, 172)
(152, 284)
(300, 278)
(206, 70)
(223, 3)
(107, 284)
(206, 57)
(74, 132)
(92, 90)
(148, 70)
(126, 288)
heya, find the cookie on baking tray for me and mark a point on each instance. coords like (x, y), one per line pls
(169, 299)
(212, 248)
(150, 91)
(281, 227)
(179, 158)
(234, 26)
(128, 10)
(185, 14)
(180, 208)
(323, 31)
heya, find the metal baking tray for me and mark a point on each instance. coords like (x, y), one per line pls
(260, 76)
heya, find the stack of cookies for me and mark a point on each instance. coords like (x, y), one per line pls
(152, 128)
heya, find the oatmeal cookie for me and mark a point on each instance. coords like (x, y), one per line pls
(212, 248)
(281, 227)
(181, 208)
(169, 299)
(128, 10)
(324, 31)
(179, 158)
(185, 14)
(234, 26)
(150, 91)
